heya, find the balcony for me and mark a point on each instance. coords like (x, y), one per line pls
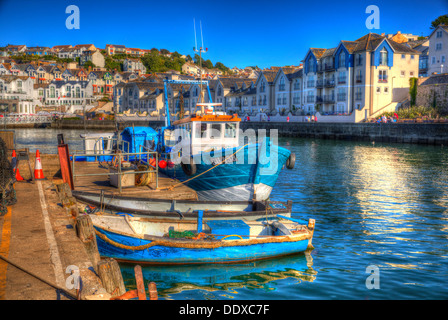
(320, 83)
(358, 79)
(342, 80)
(319, 99)
(329, 83)
(328, 67)
(310, 84)
(382, 80)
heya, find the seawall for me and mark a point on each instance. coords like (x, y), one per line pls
(422, 133)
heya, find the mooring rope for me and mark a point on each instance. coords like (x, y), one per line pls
(217, 165)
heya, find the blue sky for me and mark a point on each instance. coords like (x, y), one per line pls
(237, 33)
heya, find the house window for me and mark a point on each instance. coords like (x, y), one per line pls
(383, 57)
(281, 86)
(442, 58)
(403, 56)
(359, 60)
(411, 73)
(386, 90)
(378, 89)
(439, 34)
(412, 57)
(262, 86)
(403, 73)
(438, 46)
(382, 76)
(433, 60)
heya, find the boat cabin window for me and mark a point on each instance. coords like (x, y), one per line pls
(230, 131)
(169, 138)
(200, 129)
(215, 130)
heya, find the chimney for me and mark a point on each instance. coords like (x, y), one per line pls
(398, 32)
(383, 34)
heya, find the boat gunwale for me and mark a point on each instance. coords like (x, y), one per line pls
(192, 214)
(213, 244)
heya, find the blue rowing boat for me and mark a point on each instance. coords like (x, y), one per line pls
(168, 241)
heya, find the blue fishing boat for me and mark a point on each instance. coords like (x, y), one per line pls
(168, 241)
(204, 151)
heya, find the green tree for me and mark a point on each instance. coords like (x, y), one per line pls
(88, 64)
(154, 50)
(153, 62)
(164, 51)
(207, 64)
(440, 20)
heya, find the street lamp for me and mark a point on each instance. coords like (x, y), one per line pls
(441, 68)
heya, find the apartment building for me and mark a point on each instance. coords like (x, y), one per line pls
(438, 50)
(371, 72)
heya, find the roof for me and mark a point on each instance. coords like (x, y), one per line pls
(9, 78)
(61, 83)
(434, 79)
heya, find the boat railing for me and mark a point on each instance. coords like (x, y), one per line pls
(119, 157)
(101, 145)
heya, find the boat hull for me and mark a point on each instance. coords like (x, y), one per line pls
(160, 254)
(252, 173)
(185, 209)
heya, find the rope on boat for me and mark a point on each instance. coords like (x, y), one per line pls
(180, 183)
(205, 244)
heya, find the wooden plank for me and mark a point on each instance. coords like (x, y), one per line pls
(97, 183)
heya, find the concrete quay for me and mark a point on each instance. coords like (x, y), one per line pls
(37, 234)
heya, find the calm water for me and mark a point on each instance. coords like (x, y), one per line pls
(383, 205)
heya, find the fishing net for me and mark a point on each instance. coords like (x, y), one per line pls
(7, 179)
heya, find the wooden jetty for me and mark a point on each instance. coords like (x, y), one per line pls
(98, 183)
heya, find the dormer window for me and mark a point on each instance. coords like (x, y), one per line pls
(342, 60)
(383, 57)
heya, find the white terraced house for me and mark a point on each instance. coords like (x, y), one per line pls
(75, 94)
(16, 94)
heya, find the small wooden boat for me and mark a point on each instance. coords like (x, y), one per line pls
(173, 241)
(185, 209)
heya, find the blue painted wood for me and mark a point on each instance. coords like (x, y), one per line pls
(223, 228)
(170, 255)
(200, 215)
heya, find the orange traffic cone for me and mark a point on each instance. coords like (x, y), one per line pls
(15, 167)
(38, 172)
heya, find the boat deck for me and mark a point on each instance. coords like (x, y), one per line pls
(97, 183)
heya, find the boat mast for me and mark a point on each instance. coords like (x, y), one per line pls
(201, 50)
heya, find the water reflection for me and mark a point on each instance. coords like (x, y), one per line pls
(174, 280)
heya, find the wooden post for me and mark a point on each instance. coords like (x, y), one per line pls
(139, 283)
(311, 223)
(152, 291)
(86, 232)
(110, 275)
